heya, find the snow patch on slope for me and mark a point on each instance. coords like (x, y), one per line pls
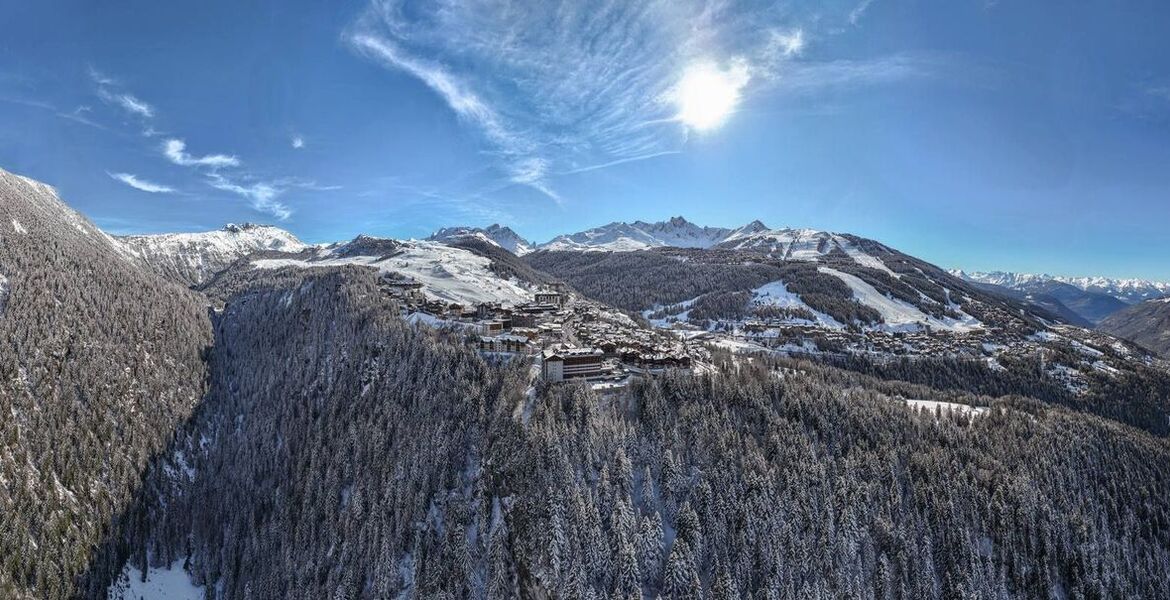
(447, 273)
(777, 294)
(197, 256)
(170, 583)
(800, 245)
(897, 314)
(932, 406)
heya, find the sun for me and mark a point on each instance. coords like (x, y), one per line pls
(706, 95)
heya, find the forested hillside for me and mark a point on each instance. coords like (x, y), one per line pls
(333, 447)
(302, 440)
(394, 462)
(100, 361)
(1147, 323)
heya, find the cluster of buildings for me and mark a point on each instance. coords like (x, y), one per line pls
(572, 339)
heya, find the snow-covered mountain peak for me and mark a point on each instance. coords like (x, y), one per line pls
(495, 234)
(1131, 291)
(194, 257)
(640, 235)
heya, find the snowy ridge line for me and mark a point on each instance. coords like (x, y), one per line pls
(447, 273)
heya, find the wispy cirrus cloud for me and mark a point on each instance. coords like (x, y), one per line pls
(109, 90)
(141, 184)
(129, 102)
(221, 171)
(176, 151)
(858, 12)
(262, 195)
(560, 88)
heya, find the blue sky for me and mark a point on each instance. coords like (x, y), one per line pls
(1030, 136)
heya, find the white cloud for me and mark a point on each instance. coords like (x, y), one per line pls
(128, 102)
(788, 43)
(457, 95)
(134, 105)
(262, 195)
(859, 11)
(812, 77)
(175, 151)
(555, 88)
(98, 77)
(297, 142)
(142, 184)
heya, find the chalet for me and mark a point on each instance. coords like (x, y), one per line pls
(503, 343)
(521, 319)
(559, 364)
(490, 327)
(554, 298)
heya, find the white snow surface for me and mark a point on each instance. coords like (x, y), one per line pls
(777, 294)
(931, 406)
(170, 583)
(495, 234)
(1128, 290)
(800, 245)
(18, 228)
(639, 235)
(787, 243)
(202, 254)
(898, 314)
(447, 273)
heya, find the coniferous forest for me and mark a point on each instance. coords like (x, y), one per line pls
(343, 454)
(285, 433)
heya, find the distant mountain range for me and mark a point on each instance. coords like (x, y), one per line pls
(1091, 298)
(1130, 291)
(676, 232)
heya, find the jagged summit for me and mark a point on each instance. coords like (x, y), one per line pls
(640, 235)
(496, 234)
(194, 257)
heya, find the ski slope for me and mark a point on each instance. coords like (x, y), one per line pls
(447, 273)
(899, 315)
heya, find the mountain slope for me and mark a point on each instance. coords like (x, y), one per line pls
(1092, 306)
(100, 361)
(191, 258)
(1147, 324)
(448, 272)
(496, 234)
(1042, 300)
(639, 235)
(1130, 291)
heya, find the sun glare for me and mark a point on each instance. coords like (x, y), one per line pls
(706, 95)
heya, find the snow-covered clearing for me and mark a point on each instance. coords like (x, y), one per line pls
(777, 294)
(867, 260)
(898, 314)
(171, 583)
(18, 228)
(447, 273)
(932, 406)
